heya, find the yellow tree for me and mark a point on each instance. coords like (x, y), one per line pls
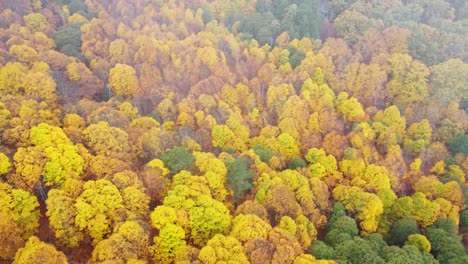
(169, 242)
(5, 165)
(123, 80)
(250, 226)
(36, 252)
(63, 157)
(24, 53)
(10, 237)
(22, 207)
(11, 77)
(368, 206)
(61, 213)
(222, 249)
(41, 86)
(96, 206)
(418, 136)
(350, 108)
(417, 206)
(36, 22)
(129, 242)
(408, 83)
(103, 139)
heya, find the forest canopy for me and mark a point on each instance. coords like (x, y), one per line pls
(210, 131)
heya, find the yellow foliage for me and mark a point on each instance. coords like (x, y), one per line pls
(123, 80)
(36, 22)
(208, 56)
(5, 165)
(222, 249)
(36, 252)
(250, 226)
(24, 53)
(76, 18)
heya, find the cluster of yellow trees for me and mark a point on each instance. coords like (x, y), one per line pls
(158, 132)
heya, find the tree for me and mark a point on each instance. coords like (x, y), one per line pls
(417, 206)
(22, 207)
(63, 158)
(11, 77)
(408, 83)
(36, 251)
(259, 251)
(460, 144)
(369, 207)
(123, 80)
(250, 226)
(286, 246)
(418, 136)
(350, 25)
(95, 207)
(207, 218)
(357, 250)
(350, 108)
(35, 22)
(447, 78)
(168, 244)
(401, 230)
(61, 213)
(419, 241)
(288, 147)
(178, 159)
(10, 237)
(239, 178)
(68, 40)
(128, 242)
(223, 249)
(102, 139)
(24, 53)
(40, 86)
(5, 165)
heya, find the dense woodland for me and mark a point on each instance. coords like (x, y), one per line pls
(213, 131)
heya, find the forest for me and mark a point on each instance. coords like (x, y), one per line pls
(245, 131)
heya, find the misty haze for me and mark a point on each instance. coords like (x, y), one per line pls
(235, 132)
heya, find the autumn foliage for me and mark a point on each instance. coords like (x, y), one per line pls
(233, 131)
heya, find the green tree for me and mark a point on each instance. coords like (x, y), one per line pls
(460, 144)
(178, 159)
(401, 229)
(239, 178)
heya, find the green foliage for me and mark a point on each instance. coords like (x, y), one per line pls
(178, 159)
(68, 40)
(239, 178)
(446, 245)
(401, 229)
(346, 93)
(464, 219)
(296, 162)
(356, 251)
(322, 251)
(264, 153)
(460, 144)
